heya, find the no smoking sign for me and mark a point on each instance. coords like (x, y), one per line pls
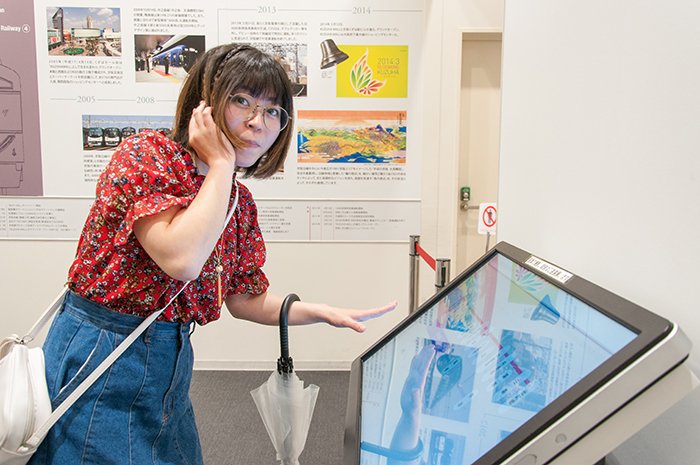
(487, 218)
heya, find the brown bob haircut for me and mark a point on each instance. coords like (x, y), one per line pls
(223, 71)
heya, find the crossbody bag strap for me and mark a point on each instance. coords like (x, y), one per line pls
(46, 316)
(39, 434)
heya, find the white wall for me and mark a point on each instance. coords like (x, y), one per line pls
(600, 145)
(31, 274)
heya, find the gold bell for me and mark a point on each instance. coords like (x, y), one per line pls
(332, 55)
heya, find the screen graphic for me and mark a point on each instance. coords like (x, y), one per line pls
(473, 368)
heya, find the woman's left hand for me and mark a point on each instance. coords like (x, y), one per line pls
(352, 318)
(265, 308)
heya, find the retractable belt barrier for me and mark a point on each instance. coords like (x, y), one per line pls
(441, 266)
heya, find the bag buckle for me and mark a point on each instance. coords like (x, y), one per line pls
(7, 343)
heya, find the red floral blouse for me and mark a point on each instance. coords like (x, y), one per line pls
(148, 174)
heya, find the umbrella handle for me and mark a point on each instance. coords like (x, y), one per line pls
(284, 363)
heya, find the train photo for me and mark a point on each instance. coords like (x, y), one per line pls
(168, 55)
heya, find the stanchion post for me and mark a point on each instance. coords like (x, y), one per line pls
(413, 278)
(442, 273)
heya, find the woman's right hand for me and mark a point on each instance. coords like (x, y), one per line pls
(207, 140)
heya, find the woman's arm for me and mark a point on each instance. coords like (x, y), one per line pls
(265, 309)
(179, 239)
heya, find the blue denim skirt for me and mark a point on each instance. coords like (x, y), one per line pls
(139, 411)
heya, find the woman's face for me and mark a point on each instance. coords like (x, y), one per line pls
(252, 120)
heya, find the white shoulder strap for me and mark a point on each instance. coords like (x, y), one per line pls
(46, 316)
(107, 362)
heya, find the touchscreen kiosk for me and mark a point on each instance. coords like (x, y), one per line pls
(511, 363)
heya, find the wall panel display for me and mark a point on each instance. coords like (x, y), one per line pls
(77, 80)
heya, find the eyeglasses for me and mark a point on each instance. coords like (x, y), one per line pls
(275, 118)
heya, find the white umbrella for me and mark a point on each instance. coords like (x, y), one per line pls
(285, 405)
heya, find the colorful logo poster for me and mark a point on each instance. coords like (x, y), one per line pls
(373, 71)
(330, 136)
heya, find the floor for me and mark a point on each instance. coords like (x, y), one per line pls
(232, 432)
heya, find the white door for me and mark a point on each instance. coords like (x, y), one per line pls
(479, 139)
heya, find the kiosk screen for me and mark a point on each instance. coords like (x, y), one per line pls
(495, 350)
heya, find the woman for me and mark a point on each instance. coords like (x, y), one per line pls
(157, 221)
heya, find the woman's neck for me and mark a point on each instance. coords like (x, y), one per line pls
(202, 168)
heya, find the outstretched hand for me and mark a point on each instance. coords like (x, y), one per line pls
(351, 318)
(265, 308)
